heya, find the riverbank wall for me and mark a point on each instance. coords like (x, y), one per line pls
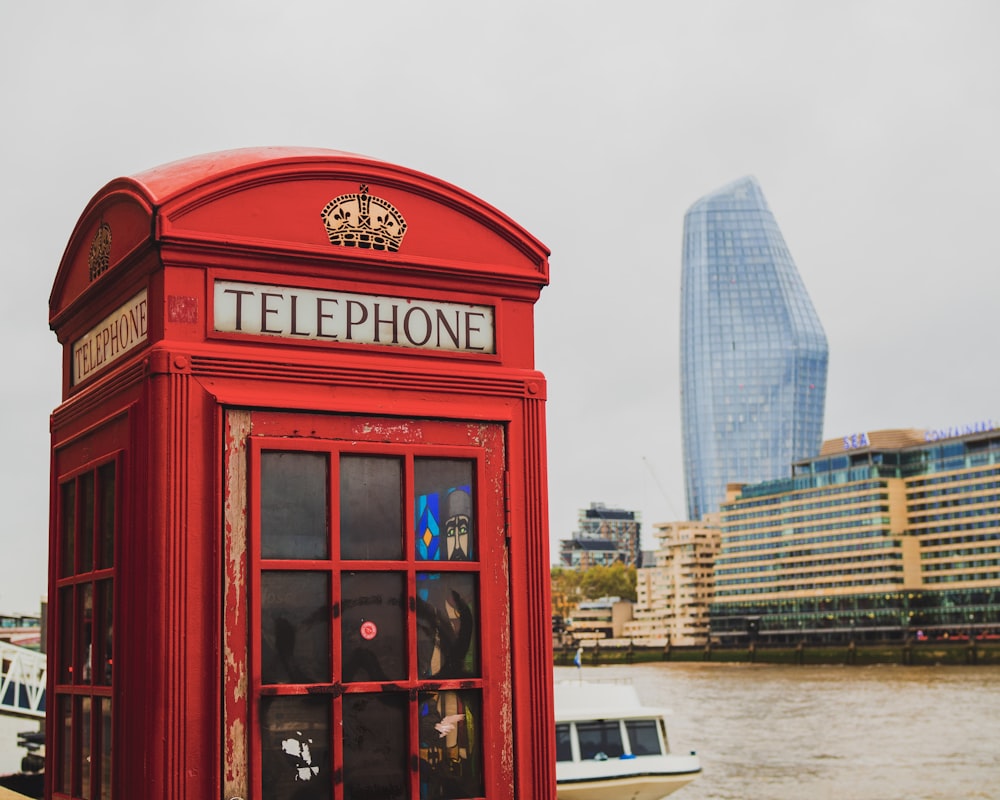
(908, 654)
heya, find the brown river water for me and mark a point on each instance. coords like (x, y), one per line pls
(772, 732)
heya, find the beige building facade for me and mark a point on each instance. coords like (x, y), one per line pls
(673, 596)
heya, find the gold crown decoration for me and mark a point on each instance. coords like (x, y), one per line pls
(363, 220)
(100, 251)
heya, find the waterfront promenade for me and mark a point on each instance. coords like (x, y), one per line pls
(913, 653)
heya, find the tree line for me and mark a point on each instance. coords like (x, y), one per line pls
(580, 585)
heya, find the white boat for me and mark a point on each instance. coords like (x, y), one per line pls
(611, 747)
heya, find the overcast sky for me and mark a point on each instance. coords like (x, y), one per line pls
(872, 127)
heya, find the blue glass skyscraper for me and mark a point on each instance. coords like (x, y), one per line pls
(753, 351)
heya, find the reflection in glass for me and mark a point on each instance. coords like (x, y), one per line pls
(68, 533)
(371, 517)
(85, 748)
(600, 739)
(373, 625)
(293, 505)
(64, 777)
(295, 627)
(105, 750)
(295, 748)
(447, 636)
(86, 526)
(66, 634)
(450, 748)
(106, 515)
(564, 746)
(85, 656)
(445, 513)
(375, 746)
(643, 738)
(105, 631)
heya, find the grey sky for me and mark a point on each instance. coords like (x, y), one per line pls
(873, 128)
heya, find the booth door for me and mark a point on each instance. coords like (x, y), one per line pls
(366, 610)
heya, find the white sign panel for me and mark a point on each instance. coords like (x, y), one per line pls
(118, 333)
(334, 316)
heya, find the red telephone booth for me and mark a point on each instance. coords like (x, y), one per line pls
(299, 544)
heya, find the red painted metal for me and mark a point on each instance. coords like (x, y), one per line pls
(177, 409)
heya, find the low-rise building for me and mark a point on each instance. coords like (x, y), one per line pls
(600, 619)
(673, 595)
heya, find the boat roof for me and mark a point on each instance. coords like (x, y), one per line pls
(583, 700)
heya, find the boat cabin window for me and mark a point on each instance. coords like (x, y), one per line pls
(600, 738)
(564, 746)
(643, 737)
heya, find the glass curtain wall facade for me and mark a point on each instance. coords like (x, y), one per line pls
(886, 535)
(753, 352)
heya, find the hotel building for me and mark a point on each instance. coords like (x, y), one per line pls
(883, 535)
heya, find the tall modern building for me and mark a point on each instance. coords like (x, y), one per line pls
(753, 351)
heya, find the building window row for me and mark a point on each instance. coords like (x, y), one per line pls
(759, 553)
(788, 568)
(787, 522)
(779, 494)
(793, 579)
(784, 537)
(810, 586)
(955, 488)
(927, 543)
(979, 576)
(965, 526)
(956, 565)
(964, 500)
(846, 503)
(951, 479)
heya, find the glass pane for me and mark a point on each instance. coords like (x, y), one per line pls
(444, 508)
(87, 522)
(64, 777)
(450, 746)
(642, 737)
(296, 762)
(106, 516)
(371, 516)
(564, 748)
(105, 631)
(105, 750)
(65, 622)
(294, 627)
(68, 530)
(373, 626)
(293, 505)
(447, 625)
(599, 740)
(85, 734)
(376, 749)
(84, 637)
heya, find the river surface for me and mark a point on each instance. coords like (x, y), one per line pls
(768, 732)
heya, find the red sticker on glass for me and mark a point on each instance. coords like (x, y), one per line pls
(368, 630)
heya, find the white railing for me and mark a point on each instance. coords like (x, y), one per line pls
(22, 681)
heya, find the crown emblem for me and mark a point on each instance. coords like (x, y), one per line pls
(362, 220)
(100, 251)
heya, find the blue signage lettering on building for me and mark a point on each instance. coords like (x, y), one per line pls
(983, 426)
(856, 440)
